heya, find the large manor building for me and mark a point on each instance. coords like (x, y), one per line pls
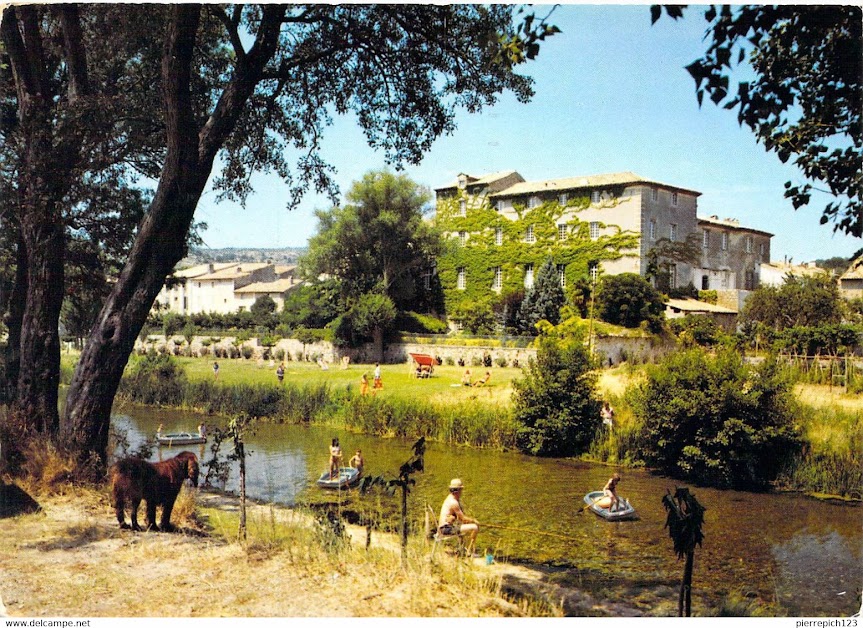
(610, 223)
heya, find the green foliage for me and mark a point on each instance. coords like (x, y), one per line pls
(695, 330)
(378, 241)
(555, 403)
(312, 305)
(708, 296)
(475, 317)
(800, 301)
(415, 323)
(263, 309)
(801, 95)
(373, 314)
(543, 301)
(715, 420)
(628, 299)
(823, 339)
(480, 255)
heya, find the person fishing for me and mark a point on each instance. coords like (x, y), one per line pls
(453, 520)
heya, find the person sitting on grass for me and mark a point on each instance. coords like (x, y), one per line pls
(484, 380)
(465, 379)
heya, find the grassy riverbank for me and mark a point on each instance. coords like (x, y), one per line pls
(70, 559)
(829, 421)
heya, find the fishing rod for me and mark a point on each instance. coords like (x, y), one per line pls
(529, 531)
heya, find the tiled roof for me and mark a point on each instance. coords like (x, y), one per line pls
(855, 271)
(692, 305)
(573, 183)
(730, 223)
(483, 180)
(235, 271)
(269, 287)
(201, 269)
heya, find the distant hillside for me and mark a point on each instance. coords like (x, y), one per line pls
(287, 255)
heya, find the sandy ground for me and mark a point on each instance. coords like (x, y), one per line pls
(71, 559)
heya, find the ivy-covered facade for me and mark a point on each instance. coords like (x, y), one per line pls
(501, 229)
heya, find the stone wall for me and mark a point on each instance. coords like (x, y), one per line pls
(611, 349)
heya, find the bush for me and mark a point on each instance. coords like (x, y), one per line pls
(280, 355)
(715, 420)
(500, 361)
(555, 403)
(628, 299)
(696, 330)
(247, 352)
(414, 323)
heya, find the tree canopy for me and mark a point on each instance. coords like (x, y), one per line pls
(542, 301)
(798, 302)
(628, 299)
(378, 241)
(805, 99)
(255, 86)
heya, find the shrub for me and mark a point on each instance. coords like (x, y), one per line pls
(628, 299)
(500, 361)
(247, 352)
(449, 360)
(696, 329)
(715, 420)
(414, 323)
(555, 403)
(279, 355)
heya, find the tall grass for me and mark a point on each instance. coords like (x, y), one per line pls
(468, 423)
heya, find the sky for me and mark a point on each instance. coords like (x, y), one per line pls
(611, 95)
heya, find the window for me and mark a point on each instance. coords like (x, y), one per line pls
(595, 196)
(498, 278)
(705, 239)
(672, 276)
(705, 282)
(674, 198)
(652, 229)
(460, 282)
(749, 280)
(724, 241)
(561, 275)
(533, 202)
(654, 194)
(199, 284)
(462, 207)
(672, 232)
(528, 276)
(462, 237)
(498, 205)
(562, 199)
(593, 269)
(748, 242)
(594, 230)
(762, 249)
(498, 236)
(529, 237)
(561, 232)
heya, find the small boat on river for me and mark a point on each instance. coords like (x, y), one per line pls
(180, 438)
(599, 503)
(348, 476)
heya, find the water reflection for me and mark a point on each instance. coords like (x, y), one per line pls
(785, 549)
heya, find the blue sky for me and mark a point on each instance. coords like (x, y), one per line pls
(612, 95)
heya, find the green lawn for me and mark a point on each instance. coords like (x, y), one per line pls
(443, 387)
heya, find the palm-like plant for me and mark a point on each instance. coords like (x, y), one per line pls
(685, 518)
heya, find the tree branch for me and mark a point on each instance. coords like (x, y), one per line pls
(231, 25)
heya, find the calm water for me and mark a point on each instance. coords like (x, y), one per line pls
(802, 554)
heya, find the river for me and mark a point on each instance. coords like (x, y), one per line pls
(801, 555)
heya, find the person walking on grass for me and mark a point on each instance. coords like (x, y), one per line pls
(378, 382)
(453, 519)
(280, 373)
(216, 370)
(364, 385)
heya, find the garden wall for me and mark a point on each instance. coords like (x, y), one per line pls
(612, 349)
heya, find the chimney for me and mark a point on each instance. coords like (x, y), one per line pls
(211, 267)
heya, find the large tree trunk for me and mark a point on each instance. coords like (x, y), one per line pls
(158, 247)
(51, 153)
(14, 316)
(161, 238)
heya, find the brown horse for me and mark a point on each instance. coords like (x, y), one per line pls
(158, 483)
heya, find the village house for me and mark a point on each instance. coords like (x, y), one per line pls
(851, 281)
(225, 287)
(724, 256)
